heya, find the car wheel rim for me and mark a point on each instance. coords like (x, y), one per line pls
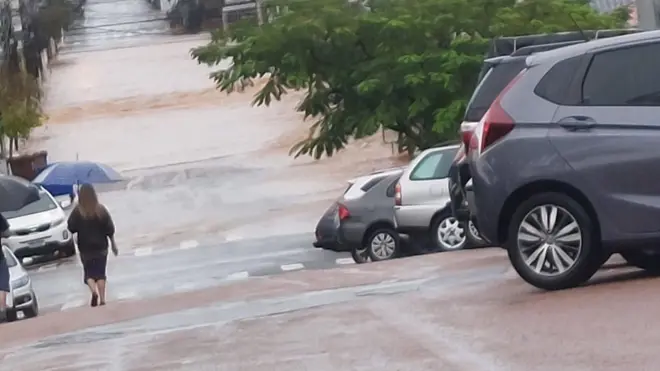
(362, 253)
(451, 234)
(549, 240)
(383, 245)
(473, 230)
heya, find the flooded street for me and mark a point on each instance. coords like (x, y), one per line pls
(197, 162)
(215, 221)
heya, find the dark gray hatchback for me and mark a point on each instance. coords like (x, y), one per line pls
(565, 162)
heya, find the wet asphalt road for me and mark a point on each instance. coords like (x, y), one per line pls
(454, 311)
(147, 273)
(108, 24)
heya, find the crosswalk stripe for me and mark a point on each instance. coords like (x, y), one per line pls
(292, 267)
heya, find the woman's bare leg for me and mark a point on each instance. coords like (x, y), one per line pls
(93, 289)
(101, 287)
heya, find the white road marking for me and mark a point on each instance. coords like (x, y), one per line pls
(292, 267)
(155, 273)
(73, 304)
(143, 251)
(185, 287)
(233, 237)
(238, 276)
(190, 244)
(47, 268)
(344, 261)
(127, 295)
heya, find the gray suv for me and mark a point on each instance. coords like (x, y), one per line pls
(565, 162)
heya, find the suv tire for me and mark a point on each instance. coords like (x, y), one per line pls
(473, 237)
(570, 266)
(649, 262)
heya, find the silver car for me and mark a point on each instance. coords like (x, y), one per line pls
(422, 209)
(22, 297)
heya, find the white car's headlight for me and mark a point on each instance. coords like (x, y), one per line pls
(20, 282)
(57, 222)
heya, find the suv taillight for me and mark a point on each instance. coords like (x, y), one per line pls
(467, 128)
(397, 194)
(342, 212)
(496, 123)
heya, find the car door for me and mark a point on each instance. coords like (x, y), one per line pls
(612, 138)
(424, 187)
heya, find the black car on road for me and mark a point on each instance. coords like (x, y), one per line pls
(362, 220)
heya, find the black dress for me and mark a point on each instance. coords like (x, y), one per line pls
(93, 234)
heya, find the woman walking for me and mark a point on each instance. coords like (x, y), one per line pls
(93, 225)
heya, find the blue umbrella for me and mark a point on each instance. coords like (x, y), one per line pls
(60, 177)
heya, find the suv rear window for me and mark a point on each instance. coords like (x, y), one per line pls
(554, 85)
(496, 79)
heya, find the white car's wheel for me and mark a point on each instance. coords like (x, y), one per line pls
(448, 233)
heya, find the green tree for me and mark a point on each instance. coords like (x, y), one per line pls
(20, 105)
(407, 66)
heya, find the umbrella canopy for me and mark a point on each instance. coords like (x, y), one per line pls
(71, 173)
(15, 193)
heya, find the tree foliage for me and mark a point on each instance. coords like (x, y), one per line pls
(20, 104)
(404, 65)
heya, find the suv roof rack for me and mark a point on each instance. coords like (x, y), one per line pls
(509, 45)
(529, 50)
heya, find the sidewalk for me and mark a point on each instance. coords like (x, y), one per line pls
(452, 311)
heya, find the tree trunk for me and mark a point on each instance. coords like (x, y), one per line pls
(3, 148)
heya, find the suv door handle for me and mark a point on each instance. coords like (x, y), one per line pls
(577, 123)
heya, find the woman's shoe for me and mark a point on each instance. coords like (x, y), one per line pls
(95, 300)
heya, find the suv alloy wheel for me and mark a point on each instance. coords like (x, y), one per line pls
(551, 242)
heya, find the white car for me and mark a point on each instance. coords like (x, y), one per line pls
(39, 228)
(422, 208)
(22, 297)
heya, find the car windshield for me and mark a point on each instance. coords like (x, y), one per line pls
(44, 203)
(9, 258)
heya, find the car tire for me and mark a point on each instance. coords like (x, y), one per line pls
(68, 250)
(383, 244)
(473, 237)
(447, 233)
(11, 315)
(649, 262)
(360, 254)
(33, 311)
(574, 254)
